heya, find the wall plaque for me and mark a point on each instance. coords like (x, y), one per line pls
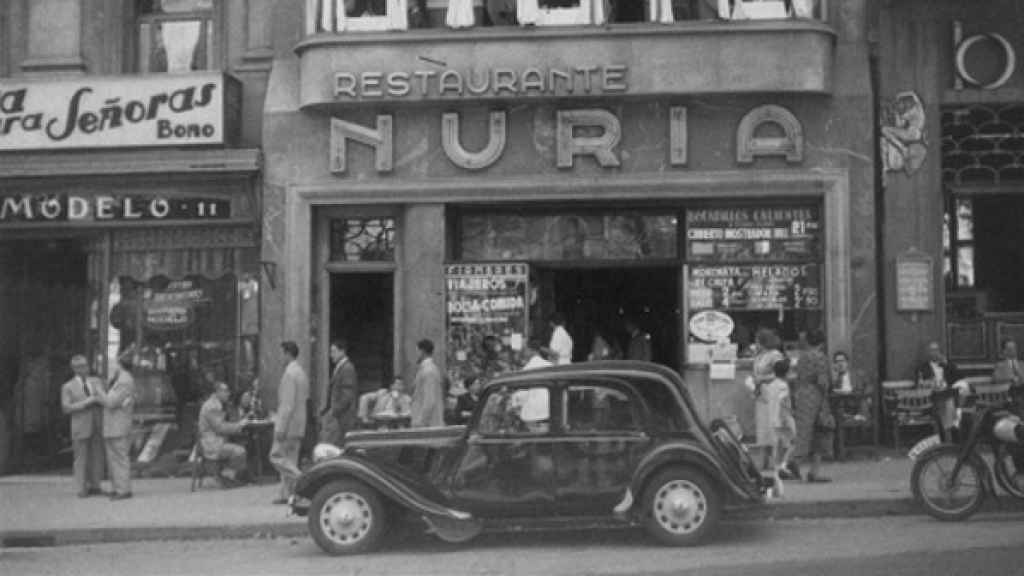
(915, 286)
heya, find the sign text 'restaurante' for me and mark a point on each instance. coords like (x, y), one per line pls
(496, 82)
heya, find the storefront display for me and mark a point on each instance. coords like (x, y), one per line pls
(487, 319)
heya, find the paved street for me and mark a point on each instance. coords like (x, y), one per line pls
(987, 545)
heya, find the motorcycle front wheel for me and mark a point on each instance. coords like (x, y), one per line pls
(942, 496)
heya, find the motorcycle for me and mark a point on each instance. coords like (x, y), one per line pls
(951, 477)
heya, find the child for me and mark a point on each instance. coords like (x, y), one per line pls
(780, 414)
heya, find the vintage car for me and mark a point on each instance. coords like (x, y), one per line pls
(613, 441)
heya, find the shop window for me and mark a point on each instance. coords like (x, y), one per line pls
(598, 409)
(362, 239)
(362, 15)
(518, 411)
(176, 35)
(621, 235)
(751, 267)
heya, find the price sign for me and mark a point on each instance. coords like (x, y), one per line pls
(755, 287)
(775, 233)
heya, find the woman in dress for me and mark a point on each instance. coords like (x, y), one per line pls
(814, 420)
(768, 353)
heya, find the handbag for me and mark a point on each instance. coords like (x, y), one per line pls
(825, 420)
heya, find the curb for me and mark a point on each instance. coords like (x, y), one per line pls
(267, 530)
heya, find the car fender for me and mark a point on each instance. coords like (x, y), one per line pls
(686, 455)
(392, 483)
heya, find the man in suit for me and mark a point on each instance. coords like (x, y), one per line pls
(290, 423)
(214, 430)
(341, 407)
(639, 342)
(118, 405)
(80, 399)
(937, 369)
(1009, 369)
(428, 389)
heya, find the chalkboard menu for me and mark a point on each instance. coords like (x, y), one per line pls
(754, 287)
(769, 233)
(914, 283)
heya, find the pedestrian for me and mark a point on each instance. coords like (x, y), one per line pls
(560, 345)
(81, 400)
(118, 405)
(290, 423)
(780, 411)
(214, 432)
(428, 389)
(341, 408)
(639, 341)
(601, 347)
(814, 420)
(763, 372)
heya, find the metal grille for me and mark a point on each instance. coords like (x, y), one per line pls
(363, 240)
(983, 144)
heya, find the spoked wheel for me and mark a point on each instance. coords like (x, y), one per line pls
(1009, 465)
(942, 496)
(681, 507)
(346, 517)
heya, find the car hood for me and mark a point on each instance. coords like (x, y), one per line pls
(426, 437)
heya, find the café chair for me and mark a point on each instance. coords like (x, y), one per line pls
(907, 406)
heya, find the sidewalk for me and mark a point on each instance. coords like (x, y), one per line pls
(44, 511)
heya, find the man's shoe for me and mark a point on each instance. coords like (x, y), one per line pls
(279, 501)
(121, 496)
(97, 492)
(814, 479)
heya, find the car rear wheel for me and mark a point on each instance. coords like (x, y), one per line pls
(347, 517)
(681, 507)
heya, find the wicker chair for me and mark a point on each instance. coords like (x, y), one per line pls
(907, 406)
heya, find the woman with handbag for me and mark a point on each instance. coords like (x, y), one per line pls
(814, 421)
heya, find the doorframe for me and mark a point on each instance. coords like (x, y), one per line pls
(321, 290)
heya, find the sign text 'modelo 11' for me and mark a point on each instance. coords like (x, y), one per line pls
(109, 112)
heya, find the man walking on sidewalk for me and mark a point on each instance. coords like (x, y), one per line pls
(80, 399)
(118, 405)
(290, 425)
(340, 409)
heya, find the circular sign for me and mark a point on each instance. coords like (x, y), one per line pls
(711, 326)
(1008, 68)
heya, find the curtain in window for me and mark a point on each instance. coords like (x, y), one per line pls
(526, 12)
(459, 14)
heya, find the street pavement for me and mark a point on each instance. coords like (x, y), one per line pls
(987, 545)
(44, 511)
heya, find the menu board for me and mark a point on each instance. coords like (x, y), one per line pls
(754, 287)
(776, 233)
(487, 318)
(914, 283)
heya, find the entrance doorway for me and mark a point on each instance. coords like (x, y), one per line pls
(44, 304)
(362, 311)
(595, 299)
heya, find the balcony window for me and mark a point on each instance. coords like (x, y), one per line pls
(176, 35)
(359, 15)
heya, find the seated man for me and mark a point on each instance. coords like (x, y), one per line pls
(393, 403)
(214, 431)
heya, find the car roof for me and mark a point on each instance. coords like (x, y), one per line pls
(650, 374)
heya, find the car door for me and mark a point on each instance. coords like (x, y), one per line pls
(601, 440)
(507, 468)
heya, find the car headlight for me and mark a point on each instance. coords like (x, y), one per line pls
(324, 451)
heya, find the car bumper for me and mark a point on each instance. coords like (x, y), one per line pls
(298, 505)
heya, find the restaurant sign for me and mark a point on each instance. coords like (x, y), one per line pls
(115, 112)
(40, 208)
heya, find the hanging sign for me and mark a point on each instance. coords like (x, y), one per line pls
(711, 326)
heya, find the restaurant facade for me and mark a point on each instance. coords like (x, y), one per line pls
(704, 177)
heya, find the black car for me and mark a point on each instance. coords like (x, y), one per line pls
(613, 440)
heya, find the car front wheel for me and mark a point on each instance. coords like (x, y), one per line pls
(346, 517)
(681, 507)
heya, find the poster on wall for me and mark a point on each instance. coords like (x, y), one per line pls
(487, 319)
(755, 287)
(774, 233)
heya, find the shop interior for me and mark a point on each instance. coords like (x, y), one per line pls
(45, 310)
(362, 313)
(601, 298)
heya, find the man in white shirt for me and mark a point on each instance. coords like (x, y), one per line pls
(560, 345)
(533, 357)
